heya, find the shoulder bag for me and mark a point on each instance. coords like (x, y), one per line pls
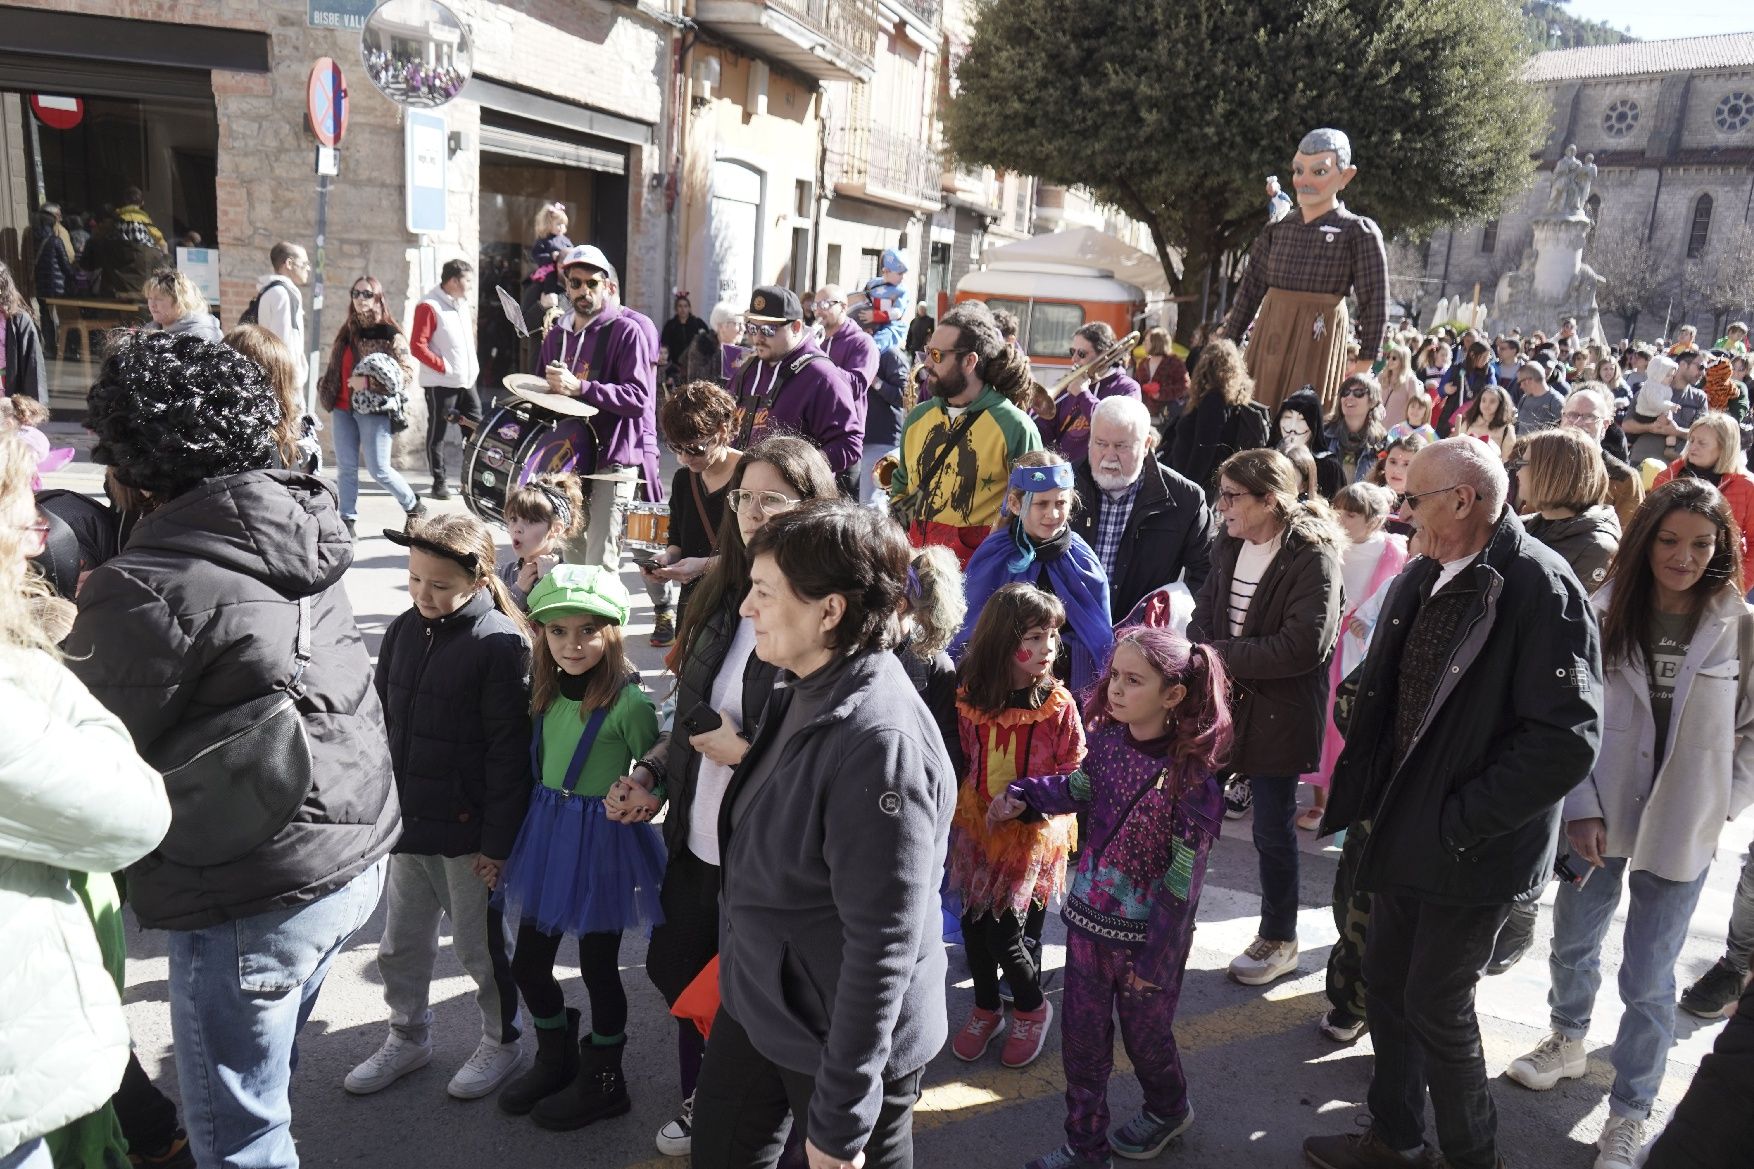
(912, 506)
(236, 778)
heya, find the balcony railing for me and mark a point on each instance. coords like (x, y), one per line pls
(829, 40)
(849, 26)
(878, 163)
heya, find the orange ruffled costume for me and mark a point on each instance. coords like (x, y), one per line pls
(1008, 866)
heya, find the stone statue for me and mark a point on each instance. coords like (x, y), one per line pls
(1571, 184)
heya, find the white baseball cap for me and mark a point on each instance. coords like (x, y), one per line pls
(591, 256)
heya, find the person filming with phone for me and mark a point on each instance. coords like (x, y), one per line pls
(1677, 763)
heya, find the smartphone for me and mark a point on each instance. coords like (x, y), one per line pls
(701, 719)
(646, 560)
(1563, 870)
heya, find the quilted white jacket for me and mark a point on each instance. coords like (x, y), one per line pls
(73, 795)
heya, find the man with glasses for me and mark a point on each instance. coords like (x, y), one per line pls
(1478, 709)
(1541, 405)
(280, 306)
(606, 355)
(1088, 343)
(793, 386)
(958, 444)
(855, 354)
(1590, 409)
(1149, 526)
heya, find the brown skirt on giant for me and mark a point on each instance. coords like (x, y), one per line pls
(1299, 339)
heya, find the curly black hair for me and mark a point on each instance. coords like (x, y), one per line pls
(171, 410)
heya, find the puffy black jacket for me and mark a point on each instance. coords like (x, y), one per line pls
(1169, 531)
(196, 615)
(1211, 433)
(1471, 815)
(456, 695)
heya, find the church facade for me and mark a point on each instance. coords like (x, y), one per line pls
(1671, 127)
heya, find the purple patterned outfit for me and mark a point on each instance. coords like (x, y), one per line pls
(1130, 910)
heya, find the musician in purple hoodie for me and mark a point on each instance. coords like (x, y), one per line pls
(792, 386)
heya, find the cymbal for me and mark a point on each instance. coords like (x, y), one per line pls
(624, 475)
(534, 390)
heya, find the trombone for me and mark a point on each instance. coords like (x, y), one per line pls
(1045, 397)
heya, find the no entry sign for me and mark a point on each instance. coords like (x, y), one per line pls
(57, 112)
(326, 102)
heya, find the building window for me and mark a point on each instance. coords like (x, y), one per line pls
(1701, 232)
(1735, 111)
(833, 264)
(1620, 117)
(1489, 237)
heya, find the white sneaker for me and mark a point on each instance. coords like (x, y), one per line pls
(1263, 962)
(1622, 1137)
(676, 1138)
(1557, 1058)
(490, 1066)
(395, 1059)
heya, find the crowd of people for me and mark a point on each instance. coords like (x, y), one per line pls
(959, 649)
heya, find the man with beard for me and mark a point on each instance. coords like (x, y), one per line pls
(1147, 524)
(605, 355)
(791, 386)
(958, 445)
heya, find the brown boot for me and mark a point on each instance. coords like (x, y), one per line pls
(1359, 1150)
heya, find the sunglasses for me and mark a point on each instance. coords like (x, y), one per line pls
(1411, 500)
(695, 451)
(936, 356)
(364, 294)
(1080, 354)
(766, 502)
(589, 282)
(1355, 392)
(767, 330)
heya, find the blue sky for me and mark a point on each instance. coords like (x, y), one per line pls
(1669, 19)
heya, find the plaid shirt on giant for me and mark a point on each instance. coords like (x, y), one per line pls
(1338, 253)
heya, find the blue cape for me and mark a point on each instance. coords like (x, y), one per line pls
(1077, 579)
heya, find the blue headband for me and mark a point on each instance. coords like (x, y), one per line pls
(1032, 479)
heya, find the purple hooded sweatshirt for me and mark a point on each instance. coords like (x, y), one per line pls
(854, 354)
(621, 385)
(1116, 383)
(816, 402)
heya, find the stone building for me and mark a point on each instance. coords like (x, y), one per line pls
(1671, 127)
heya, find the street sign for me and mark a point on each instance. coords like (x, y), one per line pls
(326, 101)
(425, 160)
(57, 112)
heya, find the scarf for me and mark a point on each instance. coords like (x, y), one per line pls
(1076, 577)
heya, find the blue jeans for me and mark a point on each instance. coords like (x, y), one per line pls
(373, 432)
(1656, 927)
(33, 1154)
(240, 992)
(1276, 842)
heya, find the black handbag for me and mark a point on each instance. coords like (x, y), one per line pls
(238, 777)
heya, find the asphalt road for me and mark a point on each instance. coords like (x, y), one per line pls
(1261, 1076)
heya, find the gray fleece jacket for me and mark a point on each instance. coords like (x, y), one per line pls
(833, 836)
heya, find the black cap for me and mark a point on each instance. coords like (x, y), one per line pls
(770, 302)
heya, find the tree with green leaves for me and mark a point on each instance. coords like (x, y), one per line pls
(1175, 113)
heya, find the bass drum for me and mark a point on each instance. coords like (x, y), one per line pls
(516, 443)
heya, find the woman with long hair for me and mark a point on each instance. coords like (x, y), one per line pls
(1562, 489)
(1221, 417)
(271, 353)
(1714, 454)
(1491, 418)
(1676, 748)
(1271, 608)
(1355, 431)
(368, 330)
(1462, 385)
(1399, 384)
(23, 371)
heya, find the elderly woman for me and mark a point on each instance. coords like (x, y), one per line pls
(1714, 454)
(1271, 608)
(716, 670)
(229, 590)
(1676, 760)
(832, 972)
(76, 803)
(177, 306)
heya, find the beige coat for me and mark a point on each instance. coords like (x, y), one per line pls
(1667, 820)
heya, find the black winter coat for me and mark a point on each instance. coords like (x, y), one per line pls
(694, 685)
(1212, 433)
(196, 615)
(1471, 816)
(1279, 664)
(1169, 531)
(456, 695)
(24, 371)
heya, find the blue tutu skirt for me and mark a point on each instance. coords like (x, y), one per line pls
(575, 871)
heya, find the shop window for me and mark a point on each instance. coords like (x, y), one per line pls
(1489, 237)
(1701, 232)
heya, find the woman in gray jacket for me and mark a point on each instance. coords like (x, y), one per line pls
(1562, 489)
(74, 799)
(1677, 763)
(831, 965)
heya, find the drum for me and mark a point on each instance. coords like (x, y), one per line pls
(646, 526)
(518, 442)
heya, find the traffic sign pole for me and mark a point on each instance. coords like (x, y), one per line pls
(326, 106)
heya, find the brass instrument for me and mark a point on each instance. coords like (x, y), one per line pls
(883, 471)
(1048, 395)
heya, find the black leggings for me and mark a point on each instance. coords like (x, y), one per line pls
(599, 965)
(993, 943)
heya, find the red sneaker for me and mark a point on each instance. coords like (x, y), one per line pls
(1029, 1032)
(977, 1034)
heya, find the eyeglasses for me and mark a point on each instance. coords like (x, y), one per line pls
(364, 294)
(1574, 416)
(766, 502)
(589, 282)
(767, 330)
(827, 304)
(1229, 498)
(1410, 499)
(1355, 392)
(936, 355)
(695, 451)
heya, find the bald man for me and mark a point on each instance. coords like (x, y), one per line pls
(849, 347)
(1478, 710)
